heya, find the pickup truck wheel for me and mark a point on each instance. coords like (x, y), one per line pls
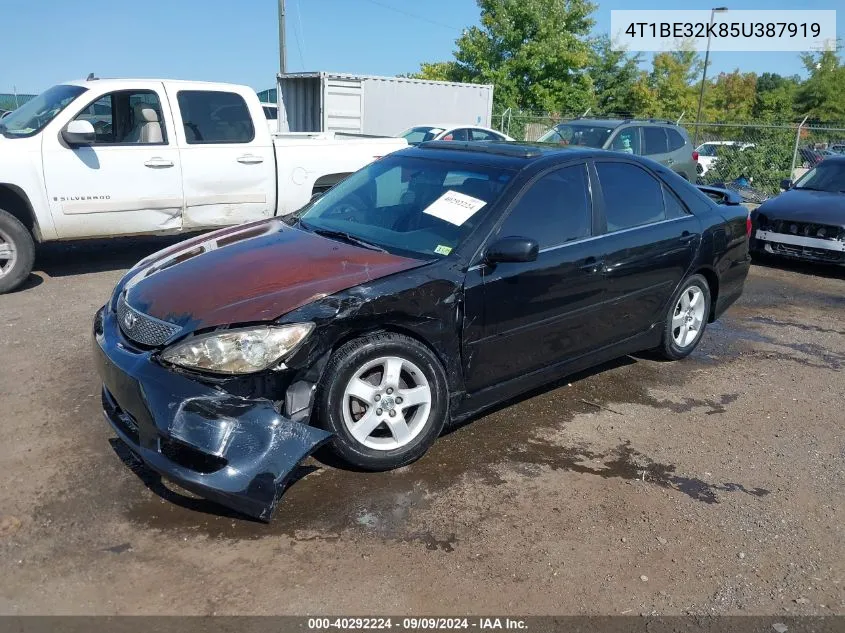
(384, 397)
(17, 252)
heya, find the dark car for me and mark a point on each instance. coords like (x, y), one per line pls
(430, 285)
(808, 220)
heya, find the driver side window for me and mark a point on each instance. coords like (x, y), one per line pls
(126, 117)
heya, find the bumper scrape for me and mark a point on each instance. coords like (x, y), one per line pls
(236, 451)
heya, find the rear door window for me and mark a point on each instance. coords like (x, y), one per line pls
(632, 196)
(215, 117)
(654, 139)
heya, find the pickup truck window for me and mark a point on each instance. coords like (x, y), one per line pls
(215, 117)
(32, 116)
(127, 117)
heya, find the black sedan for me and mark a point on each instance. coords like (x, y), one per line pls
(430, 285)
(808, 220)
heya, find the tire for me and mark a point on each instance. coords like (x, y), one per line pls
(371, 377)
(17, 252)
(680, 340)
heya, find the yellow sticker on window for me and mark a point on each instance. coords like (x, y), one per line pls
(443, 250)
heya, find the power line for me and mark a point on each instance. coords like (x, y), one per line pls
(300, 36)
(414, 15)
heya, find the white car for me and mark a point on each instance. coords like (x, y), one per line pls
(708, 153)
(106, 158)
(453, 132)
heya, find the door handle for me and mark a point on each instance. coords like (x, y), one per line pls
(159, 162)
(670, 161)
(686, 237)
(250, 159)
(592, 265)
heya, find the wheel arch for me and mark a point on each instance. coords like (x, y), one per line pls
(14, 200)
(713, 283)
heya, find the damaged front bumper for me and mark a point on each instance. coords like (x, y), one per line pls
(816, 249)
(235, 451)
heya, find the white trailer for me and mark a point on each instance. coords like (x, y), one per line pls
(366, 104)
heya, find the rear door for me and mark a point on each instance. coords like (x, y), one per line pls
(536, 314)
(228, 165)
(649, 244)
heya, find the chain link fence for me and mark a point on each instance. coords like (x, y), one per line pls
(754, 153)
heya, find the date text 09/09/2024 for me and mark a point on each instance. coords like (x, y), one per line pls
(416, 624)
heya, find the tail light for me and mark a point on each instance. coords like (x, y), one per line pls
(748, 225)
(695, 156)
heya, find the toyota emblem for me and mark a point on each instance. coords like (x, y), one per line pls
(129, 320)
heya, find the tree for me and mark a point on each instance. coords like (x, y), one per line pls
(731, 97)
(614, 75)
(775, 98)
(534, 51)
(436, 71)
(822, 95)
(673, 79)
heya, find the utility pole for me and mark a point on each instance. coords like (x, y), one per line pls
(713, 13)
(283, 65)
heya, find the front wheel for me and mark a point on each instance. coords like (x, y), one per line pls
(385, 398)
(686, 318)
(17, 252)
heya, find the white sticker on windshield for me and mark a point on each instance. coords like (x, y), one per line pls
(455, 208)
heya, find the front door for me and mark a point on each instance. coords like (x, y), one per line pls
(525, 317)
(650, 242)
(228, 164)
(129, 180)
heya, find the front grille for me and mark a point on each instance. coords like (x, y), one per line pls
(141, 328)
(804, 229)
(806, 252)
(120, 418)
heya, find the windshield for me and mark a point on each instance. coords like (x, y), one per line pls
(32, 116)
(826, 176)
(414, 207)
(583, 134)
(417, 135)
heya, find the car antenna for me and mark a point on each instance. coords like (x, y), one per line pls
(91, 77)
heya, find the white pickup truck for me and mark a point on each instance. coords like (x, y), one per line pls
(108, 158)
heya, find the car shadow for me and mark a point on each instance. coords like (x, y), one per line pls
(326, 456)
(63, 259)
(818, 269)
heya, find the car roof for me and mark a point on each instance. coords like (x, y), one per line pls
(505, 154)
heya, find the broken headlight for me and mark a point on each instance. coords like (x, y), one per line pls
(238, 351)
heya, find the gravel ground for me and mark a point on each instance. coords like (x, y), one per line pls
(708, 486)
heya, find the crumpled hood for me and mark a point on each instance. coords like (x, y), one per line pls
(818, 207)
(254, 272)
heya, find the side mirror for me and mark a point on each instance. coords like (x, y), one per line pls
(786, 184)
(512, 250)
(78, 133)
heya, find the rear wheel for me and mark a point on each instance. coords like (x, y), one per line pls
(686, 318)
(384, 397)
(17, 252)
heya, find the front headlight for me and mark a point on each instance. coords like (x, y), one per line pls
(238, 351)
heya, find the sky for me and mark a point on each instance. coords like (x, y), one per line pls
(44, 42)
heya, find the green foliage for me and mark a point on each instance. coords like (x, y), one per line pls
(822, 95)
(540, 57)
(614, 74)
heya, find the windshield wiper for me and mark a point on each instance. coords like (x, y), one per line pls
(347, 237)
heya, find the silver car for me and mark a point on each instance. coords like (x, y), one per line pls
(661, 141)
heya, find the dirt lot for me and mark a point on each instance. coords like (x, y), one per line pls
(713, 485)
